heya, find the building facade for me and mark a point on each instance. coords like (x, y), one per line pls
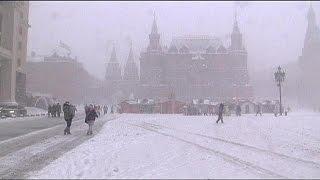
(61, 76)
(195, 67)
(13, 51)
(309, 63)
(121, 85)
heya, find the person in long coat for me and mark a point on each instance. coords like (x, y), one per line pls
(68, 116)
(220, 113)
(90, 119)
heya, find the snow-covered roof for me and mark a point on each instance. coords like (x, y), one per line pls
(206, 101)
(131, 102)
(196, 43)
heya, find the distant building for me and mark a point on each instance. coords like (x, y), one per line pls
(309, 63)
(60, 75)
(192, 67)
(13, 51)
(196, 66)
(121, 85)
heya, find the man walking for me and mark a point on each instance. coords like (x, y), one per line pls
(49, 110)
(58, 109)
(238, 110)
(220, 113)
(259, 110)
(105, 109)
(68, 115)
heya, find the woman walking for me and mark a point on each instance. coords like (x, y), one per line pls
(90, 118)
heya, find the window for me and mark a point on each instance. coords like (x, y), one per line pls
(21, 15)
(19, 62)
(20, 30)
(0, 27)
(19, 45)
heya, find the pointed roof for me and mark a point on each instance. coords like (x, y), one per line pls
(311, 14)
(235, 24)
(154, 29)
(130, 56)
(113, 57)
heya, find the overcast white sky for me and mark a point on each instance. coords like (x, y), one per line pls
(273, 31)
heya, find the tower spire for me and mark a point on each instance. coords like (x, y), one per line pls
(311, 15)
(154, 29)
(236, 36)
(154, 37)
(130, 57)
(312, 33)
(113, 57)
(235, 23)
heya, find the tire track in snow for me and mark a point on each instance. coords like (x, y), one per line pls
(38, 160)
(306, 162)
(225, 156)
(14, 144)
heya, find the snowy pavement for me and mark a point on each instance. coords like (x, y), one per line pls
(176, 146)
(34, 150)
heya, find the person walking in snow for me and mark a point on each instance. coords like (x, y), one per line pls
(54, 110)
(105, 109)
(276, 110)
(111, 109)
(238, 110)
(58, 109)
(86, 109)
(90, 118)
(220, 113)
(68, 116)
(49, 110)
(259, 111)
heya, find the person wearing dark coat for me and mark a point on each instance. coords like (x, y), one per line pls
(259, 110)
(49, 110)
(220, 113)
(90, 118)
(105, 109)
(54, 110)
(68, 115)
(86, 109)
(58, 109)
(238, 110)
(111, 111)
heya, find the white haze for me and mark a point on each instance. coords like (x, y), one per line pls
(273, 31)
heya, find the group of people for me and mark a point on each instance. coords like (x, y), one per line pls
(221, 111)
(54, 110)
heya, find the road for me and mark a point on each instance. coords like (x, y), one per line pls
(10, 128)
(31, 143)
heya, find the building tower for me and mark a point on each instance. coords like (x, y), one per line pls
(131, 69)
(151, 61)
(236, 36)
(312, 37)
(309, 64)
(152, 74)
(238, 69)
(113, 71)
(154, 37)
(14, 19)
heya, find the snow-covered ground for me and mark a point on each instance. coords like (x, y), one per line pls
(34, 110)
(177, 146)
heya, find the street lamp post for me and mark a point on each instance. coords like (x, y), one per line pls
(279, 77)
